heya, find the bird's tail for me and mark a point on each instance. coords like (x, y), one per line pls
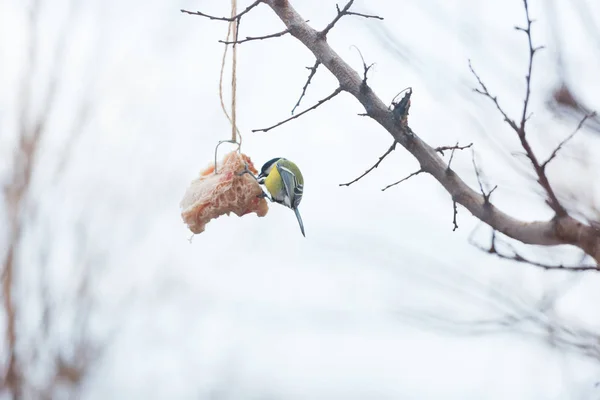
(299, 221)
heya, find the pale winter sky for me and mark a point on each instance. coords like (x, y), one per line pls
(251, 309)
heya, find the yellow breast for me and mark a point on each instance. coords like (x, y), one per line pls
(273, 182)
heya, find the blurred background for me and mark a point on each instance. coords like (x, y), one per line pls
(108, 110)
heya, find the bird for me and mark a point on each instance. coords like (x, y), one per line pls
(285, 184)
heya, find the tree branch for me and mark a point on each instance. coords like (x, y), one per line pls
(562, 229)
(250, 38)
(402, 180)
(340, 14)
(313, 71)
(532, 51)
(392, 147)
(557, 149)
(455, 208)
(542, 179)
(331, 96)
(234, 18)
(515, 256)
(441, 149)
(486, 197)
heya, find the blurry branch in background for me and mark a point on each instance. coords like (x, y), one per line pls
(515, 256)
(564, 102)
(26, 352)
(561, 229)
(508, 310)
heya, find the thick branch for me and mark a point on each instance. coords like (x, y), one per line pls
(560, 230)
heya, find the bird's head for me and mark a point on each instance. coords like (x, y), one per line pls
(267, 167)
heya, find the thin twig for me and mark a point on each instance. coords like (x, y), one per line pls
(402, 180)
(313, 71)
(485, 92)
(486, 197)
(392, 147)
(340, 14)
(229, 19)
(493, 249)
(532, 51)
(441, 149)
(366, 69)
(454, 206)
(451, 156)
(557, 149)
(364, 15)
(542, 179)
(331, 96)
(250, 38)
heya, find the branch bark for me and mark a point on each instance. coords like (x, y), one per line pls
(559, 230)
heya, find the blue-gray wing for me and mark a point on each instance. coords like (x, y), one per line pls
(293, 189)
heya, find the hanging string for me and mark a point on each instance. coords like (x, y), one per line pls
(235, 26)
(231, 31)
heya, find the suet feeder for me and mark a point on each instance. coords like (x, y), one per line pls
(220, 190)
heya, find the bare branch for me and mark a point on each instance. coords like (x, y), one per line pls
(454, 216)
(451, 156)
(562, 229)
(392, 147)
(557, 149)
(515, 256)
(340, 14)
(313, 71)
(250, 38)
(234, 18)
(366, 68)
(552, 200)
(331, 96)
(486, 197)
(532, 51)
(402, 180)
(564, 103)
(364, 15)
(485, 92)
(441, 149)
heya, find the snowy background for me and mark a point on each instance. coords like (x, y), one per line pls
(381, 300)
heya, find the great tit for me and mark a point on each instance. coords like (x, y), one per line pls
(285, 184)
